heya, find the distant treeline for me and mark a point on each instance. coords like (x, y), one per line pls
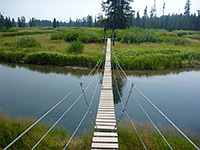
(168, 22)
(88, 21)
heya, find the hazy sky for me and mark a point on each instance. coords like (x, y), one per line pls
(63, 9)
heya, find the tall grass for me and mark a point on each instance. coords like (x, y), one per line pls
(12, 34)
(139, 35)
(85, 35)
(46, 58)
(156, 57)
(185, 32)
(27, 42)
(11, 127)
(128, 139)
(75, 47)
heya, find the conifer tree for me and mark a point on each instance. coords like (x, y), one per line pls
(54, 23)
(19, 22)
(187, 8)
(8, 23)
(118, 13)
(2, 21)
(57, 24)
(23, 21)
(13, 22)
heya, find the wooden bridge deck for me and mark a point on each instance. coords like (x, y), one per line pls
(105, 135)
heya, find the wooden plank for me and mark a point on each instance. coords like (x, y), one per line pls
(103, 127)
(106, 105)
(105, 120)
(105, 145)
(105, 117)
(106, 97)
(105, 134)
(105, 139)
(106, 109)
(105, 123)
(110, 115)
(106, 112)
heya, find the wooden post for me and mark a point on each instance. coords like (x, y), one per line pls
(113, 37)
(105, 36)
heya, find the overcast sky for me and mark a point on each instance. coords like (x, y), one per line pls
(63, 9)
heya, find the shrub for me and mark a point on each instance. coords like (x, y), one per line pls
(84, 35)
(76, 47)
(56, 36)
(27, 43)
(139, 35)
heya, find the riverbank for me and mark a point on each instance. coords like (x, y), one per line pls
(50, 48)
(11, 127)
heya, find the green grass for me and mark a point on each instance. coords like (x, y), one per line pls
(128, 138)
(11, 127)
(139, 35)
(194, 36)
(157, 56)
(49, 52)
(75, 47)
(85, 35)
(137, 49)
(27, 42)
(185, 32)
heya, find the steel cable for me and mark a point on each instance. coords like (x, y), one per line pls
(64, 112)
(127, 113)
(185, 136)
(88, 110)
(52, 108)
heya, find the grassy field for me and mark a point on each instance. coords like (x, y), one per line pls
(136, 48)
(10, 128)
(47, 52)
(155, 56)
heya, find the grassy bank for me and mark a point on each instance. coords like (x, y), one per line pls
(154, 56)
(41, 50)
(137, 49)
(10, 128)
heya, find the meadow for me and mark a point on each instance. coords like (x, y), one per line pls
(136, 48)
(11, 127)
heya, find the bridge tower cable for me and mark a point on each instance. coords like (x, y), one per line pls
(126, 112)
(148, 116)
(58, 103)
(92, 99)
(65, 112)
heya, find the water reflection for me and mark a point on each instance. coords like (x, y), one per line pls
(47, 69)
(175, 92)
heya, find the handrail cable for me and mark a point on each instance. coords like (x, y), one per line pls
(152, 122)
(124, 108)
(65, 112)
(52, 108)
(83, 116)
(185, 136)
(150, 119)
(88, 106)
(126, 112)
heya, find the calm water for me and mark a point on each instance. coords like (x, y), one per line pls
(28, 90)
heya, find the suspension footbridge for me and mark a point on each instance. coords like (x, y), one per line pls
(105, 120)
(105, 134)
